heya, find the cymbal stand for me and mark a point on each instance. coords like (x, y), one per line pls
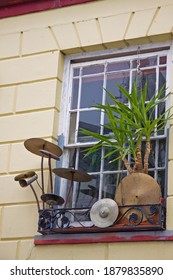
(42, 176)
(36, 198)
(50, 174)
(70, 188)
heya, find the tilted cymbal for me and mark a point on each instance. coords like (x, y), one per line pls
(52, 199)
(24, 175)
(40, 146)
(49, 154)
(72, 174)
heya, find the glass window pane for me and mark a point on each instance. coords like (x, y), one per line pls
(162, 60)
(147, 76)
(151, 173)
(162, 77)
(110, 183)
(72, 129)
(93, 69)
(109, 162)
(75, 90)
(89, 120)
(107, 129)
(91, 93)
(161, 111)
(76, 72)
(162, 153)
(161, 181)
(122, 65)
(89, 163)
(121, 79)
(87, 193)
(150, 61)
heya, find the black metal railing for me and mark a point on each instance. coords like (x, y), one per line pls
(131, 217)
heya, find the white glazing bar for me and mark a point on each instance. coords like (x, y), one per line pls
(78, 104)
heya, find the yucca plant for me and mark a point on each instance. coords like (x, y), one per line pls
(130, 124)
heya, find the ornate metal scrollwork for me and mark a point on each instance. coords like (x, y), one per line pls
(133, 216)
(50, 219)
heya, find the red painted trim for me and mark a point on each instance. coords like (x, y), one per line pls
(103, 237)
(30, 7)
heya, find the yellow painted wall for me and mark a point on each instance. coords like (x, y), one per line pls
(32, 51)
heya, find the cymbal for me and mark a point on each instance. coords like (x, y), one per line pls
(52, 199)
(138, 188)
(49, 154)
(104, 212)
(38, 145)
(72, 174)
(24, 175)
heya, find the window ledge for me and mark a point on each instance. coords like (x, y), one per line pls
(102, 237)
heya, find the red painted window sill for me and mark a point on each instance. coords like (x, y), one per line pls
(103, 237)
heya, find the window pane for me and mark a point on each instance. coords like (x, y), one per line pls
(123, 80)
(107, 130)
(148, 76)
(109, 163)
(150, 61)
(89, 120)
(110, 183)
(163, 60)
(162, 77)
(162, 153)
(75, 90)
(91, 93)
(93, 69)
(118, 66)
(76, 72)
(72, 128)
(161, 111)
(161, 181)
(90, 163)
(87, 193)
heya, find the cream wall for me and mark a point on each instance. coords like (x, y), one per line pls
(32, 52)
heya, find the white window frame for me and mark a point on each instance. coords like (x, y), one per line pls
(150, 49)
